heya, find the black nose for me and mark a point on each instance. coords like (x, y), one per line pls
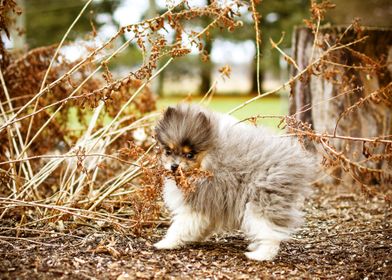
(174, 167)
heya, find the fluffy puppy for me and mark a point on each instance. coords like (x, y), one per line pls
(258, 180)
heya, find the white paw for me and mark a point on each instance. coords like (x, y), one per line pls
(263, 252)
(252, 246)
(166, 244)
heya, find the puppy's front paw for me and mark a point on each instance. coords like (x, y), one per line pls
(264, 252)
(252, 247)
(166, 244)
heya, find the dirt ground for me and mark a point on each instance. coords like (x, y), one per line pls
(347, 236)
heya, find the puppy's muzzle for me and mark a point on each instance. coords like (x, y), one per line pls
(174, 167)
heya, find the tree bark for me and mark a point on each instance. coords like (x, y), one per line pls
(206, 66)
(206, 70)
(344, 78)
(19, 38)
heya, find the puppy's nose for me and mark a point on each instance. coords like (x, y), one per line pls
(174, 167)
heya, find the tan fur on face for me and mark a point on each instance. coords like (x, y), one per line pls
(171, 146)
(181, 160)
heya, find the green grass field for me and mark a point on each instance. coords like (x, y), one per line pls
(263, 106)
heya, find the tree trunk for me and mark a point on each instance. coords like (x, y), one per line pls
(206, 66)
(332, 87)
(19, 38)
(206, 70)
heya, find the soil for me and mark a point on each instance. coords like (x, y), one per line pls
(347, 236)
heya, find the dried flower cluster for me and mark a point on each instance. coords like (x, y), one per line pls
(186, 180)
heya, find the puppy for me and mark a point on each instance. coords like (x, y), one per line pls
(258, 180)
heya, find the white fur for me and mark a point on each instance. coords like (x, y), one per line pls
(264, 236)
(187, 225)
(173, 196)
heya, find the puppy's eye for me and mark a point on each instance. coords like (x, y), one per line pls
(168, 152)
(190, 155)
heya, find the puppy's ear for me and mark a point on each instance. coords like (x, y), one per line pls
(169, 113)
(202, 134)
(203, 120)
(164, 123)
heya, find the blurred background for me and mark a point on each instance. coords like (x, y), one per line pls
(44, 22)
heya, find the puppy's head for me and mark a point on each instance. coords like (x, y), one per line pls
(185, 134)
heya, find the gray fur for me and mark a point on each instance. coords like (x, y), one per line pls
(185, 125)
(250, 166)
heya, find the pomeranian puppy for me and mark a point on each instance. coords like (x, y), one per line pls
(258, 183)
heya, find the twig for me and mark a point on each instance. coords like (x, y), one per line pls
(27, 239)
(69, 156)
(8, 229)
(316, 33)
(286, 56)
(28, 172)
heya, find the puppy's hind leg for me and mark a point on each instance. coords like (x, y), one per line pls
(187, 226)
(265, 237)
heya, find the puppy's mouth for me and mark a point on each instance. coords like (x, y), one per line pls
(180, 171)
(174, 167)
